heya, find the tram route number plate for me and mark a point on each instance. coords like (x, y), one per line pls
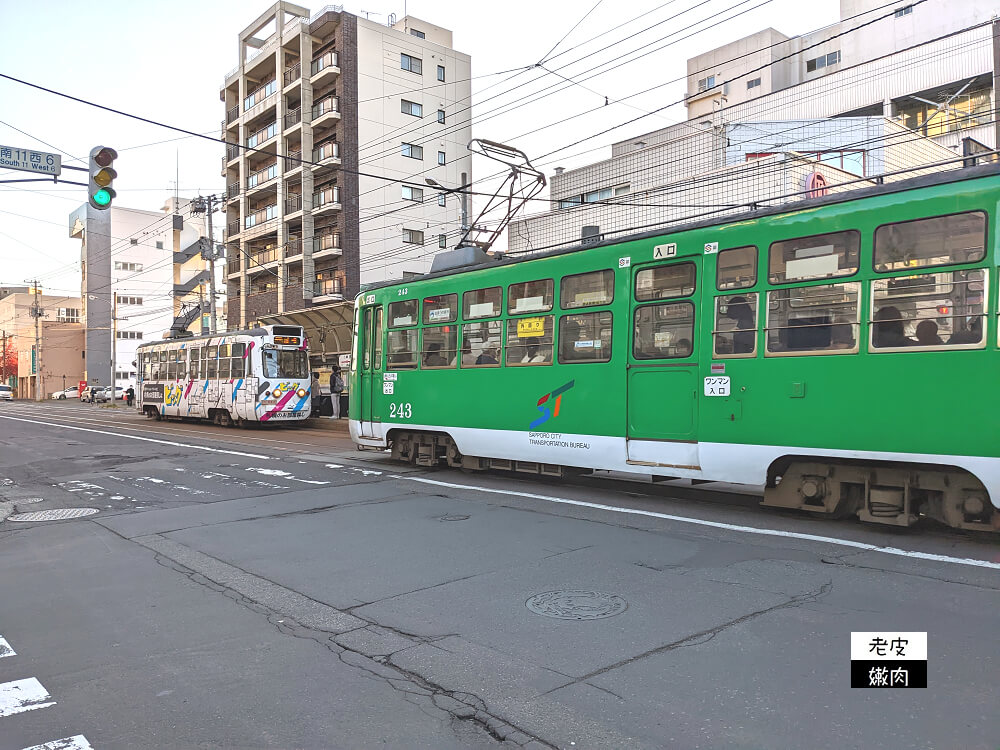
(530, 327)
(717, 385)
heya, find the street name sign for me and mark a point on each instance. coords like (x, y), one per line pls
(26, 160)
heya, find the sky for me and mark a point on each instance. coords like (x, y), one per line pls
(166, 62)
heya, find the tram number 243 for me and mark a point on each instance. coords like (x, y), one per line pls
(400, 411)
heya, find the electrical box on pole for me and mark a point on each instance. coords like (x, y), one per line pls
(102, 175)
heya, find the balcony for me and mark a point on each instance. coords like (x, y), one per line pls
(324, 69)
(292, 74)
(293, 161)
(327, 241)
(326, 201)
(260, 177)
(233, 266)
(232, 153)
(233, 228)
(328, 288)
(232, 190)
(293, 247)
(232, 114)
(260, 216)
(292, 204)
(259, 95)
(326, 152)
(263, 257)
(293, 118)
(326, 110)
(263, 135)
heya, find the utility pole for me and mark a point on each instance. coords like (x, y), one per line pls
(114, 345)
(36, 313)
(208, 204)
(3, 359)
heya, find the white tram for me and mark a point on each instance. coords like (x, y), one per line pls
(260, 375)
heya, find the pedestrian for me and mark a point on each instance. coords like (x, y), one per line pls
(314, 395)
(130, 395)
(336, 388)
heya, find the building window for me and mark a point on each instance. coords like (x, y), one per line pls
(442, 200)
(413, 194)
(411, 108)
(441, 73)
(69, 315)
(704, 84)
(441, 116)
(753, 83)
(410, 63)
(418, 34)
(132, 335)
(412, 151)
(124, 300)
(904, 11)
(442, 240)
(121, 266)
(413, 236)
(441, 158)
(822, 61)
(159, 245)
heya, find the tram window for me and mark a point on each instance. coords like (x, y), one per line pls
(939, 241)
(531, 296)
(942, 310)
(587, 289)
(285, 364)
(821, 256)
(664, 331)
(811, 319)
(441, 309)
(585, 337)
(481, 343)
(403, 313)
(735, 332)
(440, 347)
(236, 352)
(529, 340)
(661, 282)
(212, 357)
(736, 268)
(378, 338)
(482, 303)
(172, 364)
(402, 350)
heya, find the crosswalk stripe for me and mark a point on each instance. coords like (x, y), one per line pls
(5, 649)
(23, 695)
(78, 742)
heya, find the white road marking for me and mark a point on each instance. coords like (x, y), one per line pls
(23, 695)
(78, 742)
(138, 437)
(719, 525)
(285, 475)
(5, 649)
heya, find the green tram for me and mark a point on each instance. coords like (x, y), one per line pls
(841, 352)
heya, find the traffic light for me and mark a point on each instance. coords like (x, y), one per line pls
(102, 175)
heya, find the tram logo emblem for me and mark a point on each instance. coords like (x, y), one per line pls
(548, 413)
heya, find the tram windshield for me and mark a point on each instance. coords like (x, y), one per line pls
(285, 364)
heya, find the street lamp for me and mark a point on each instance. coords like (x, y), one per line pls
(461, 190)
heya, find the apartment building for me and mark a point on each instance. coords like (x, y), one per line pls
(140, 270)
(330, 113)
(57, 355)
(881, 102)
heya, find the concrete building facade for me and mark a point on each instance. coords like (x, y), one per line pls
(885, 101)
(328, 114)
(140, 269)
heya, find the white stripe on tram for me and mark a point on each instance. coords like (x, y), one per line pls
(23, 695)
(78, 742)
(145, 439)
(720, 525)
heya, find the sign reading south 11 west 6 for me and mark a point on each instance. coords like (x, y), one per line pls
(26, 160)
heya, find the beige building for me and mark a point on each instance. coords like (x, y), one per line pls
(59, 356)
(331, 114)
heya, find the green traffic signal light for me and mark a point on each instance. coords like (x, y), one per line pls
(102, 175)
(102, 197)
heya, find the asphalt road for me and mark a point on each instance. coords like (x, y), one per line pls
(276, 588)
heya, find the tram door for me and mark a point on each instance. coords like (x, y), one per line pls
(371, 368)
(662, 379)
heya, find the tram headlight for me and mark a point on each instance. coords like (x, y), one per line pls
(276, 393)
(301, 392)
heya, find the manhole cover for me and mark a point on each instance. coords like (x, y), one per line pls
(59, 514)
(577, 605)
(453, 518)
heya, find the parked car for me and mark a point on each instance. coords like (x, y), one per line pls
(72, 392)
(104, 394)
(89, 394)
(6, 393)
